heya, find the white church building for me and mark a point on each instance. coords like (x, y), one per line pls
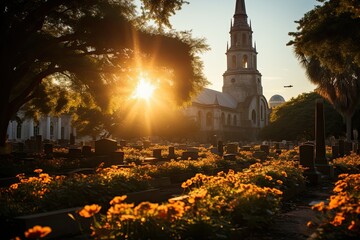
(240, 110)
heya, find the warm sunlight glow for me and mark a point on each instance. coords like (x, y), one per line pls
(144, 90)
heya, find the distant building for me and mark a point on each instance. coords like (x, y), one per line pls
(50, 128)
(241, 109)
(276, 100)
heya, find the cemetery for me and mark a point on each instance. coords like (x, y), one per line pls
(108, 129)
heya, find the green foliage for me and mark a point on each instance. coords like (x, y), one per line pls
(295, 120)
(326, 44)
(98, 48)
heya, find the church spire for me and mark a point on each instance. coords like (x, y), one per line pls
(240, 8)
(240, 16)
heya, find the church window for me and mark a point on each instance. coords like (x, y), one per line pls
(235, 120)
(228, 119)
(209, 120)
(245, 61)
(262, 112)
(223, 119)
(244, 42)
(253, 116)
(18, 130)
(233, 61)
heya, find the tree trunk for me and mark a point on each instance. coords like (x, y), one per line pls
(348, 127)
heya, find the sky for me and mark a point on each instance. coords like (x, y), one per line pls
(271, 22)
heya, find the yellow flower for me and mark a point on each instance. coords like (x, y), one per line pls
(14, 186)
(186, 184)
(37, 232)
(284, 173)
(127, 217)
(89, 210)
(319, 207)
(352, 226)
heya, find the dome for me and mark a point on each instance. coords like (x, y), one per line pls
(276, 100)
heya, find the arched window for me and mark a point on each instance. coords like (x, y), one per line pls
(262, 111)
(18, 130)
(253, 116)
(209, 120)
(228, 120)
(233, 61)
(245, 61)
(235, 120)
(222, 119)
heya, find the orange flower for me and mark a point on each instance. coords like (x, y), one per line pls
(89, 210)
(117, 200)
(14, 186)
(37, 232)
(352, 226)
(337, 220)
(284, 173)
(38, 170)
(127, 217)
(319, 207)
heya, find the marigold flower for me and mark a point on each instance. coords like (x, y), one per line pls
(284, 173)
(338, 219)
(309, 224)
(89, 210)
(37, 232)
(352, 226)
(14, 186)
(319, 207)
(145, 207)
(162, 212)
(118, 199)
(127, 217)
(38, 170)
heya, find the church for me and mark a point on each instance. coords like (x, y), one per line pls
(240, 110)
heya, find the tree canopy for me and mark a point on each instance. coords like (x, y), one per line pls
(70, 53)
(295, 120)
(327, 45)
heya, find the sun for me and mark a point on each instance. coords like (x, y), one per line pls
(144, 90)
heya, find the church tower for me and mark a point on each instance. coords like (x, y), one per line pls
(241, 79)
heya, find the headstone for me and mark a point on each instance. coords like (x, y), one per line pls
(276, 145)
(232, 148)
(265, 148)
(260, 155)
(230, 156)
(214, 150)
(86, 151)
(246, 148)
(38, 140)
(74, 152)
(220, 147)
(171, 153)
(105, 146)
(192, 155)
(72, 139)
(157, 153)
(341, 148)
(348, 148)
(307, 161)
(118, 158)
(335, 151)
(321, 162)
(48, 148)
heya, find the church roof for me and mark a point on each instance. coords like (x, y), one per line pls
(211, 97)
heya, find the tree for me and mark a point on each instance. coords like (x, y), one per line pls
(89, 54)
(295, 120)
(327, 45)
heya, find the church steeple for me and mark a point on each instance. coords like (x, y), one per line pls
(240, 16)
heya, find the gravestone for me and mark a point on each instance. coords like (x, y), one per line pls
(72, 139)
(335, 151)
(321, 162)
(105, 146)
(38, 140)
(307, 161)
(171, 153)
(86, 151)
(74, 152)
(341, 148)
(230, 156)
(232, 148)
(48, 148)
(265, 148)
(117, 158)
(260, 155)
(157, 153)
(348, 148)
(146, 144)
(192, 155)
(220, 147)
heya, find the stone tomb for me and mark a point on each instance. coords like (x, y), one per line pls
(105, 146)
